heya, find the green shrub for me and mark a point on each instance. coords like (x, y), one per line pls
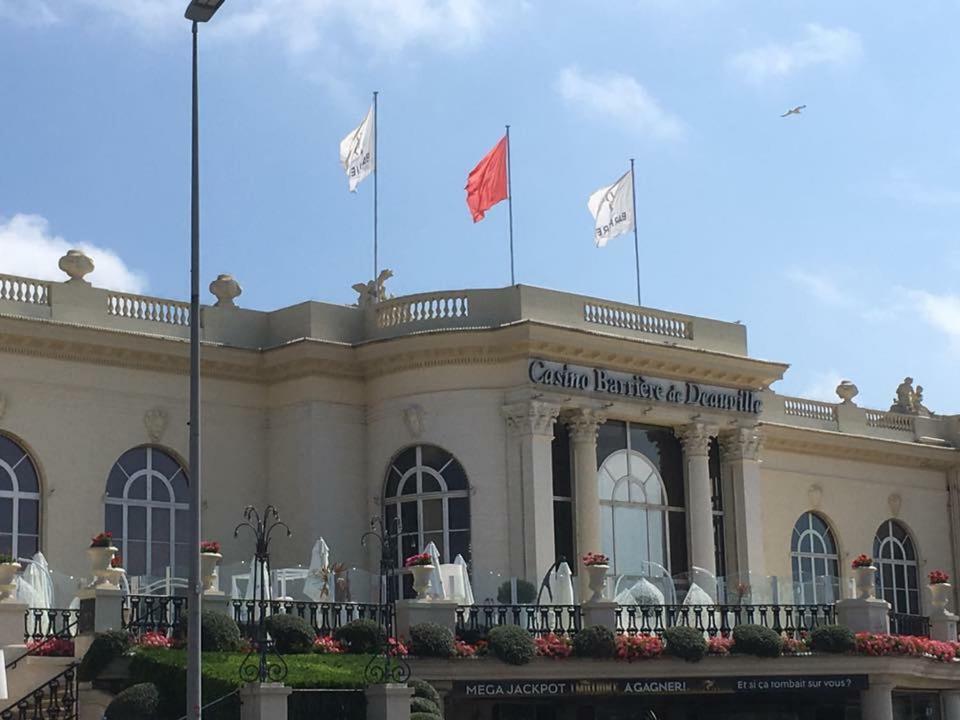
(832, 639)
(756, 640)
(422, 705)
(431, 640)
(218, 633)
(595, 642)
(104, 648)
(361, 636)
(512, 644)
(167, 670)
(686, 643)
(423, 716)
(137, 702)
(423, 689)
(292, 635)
(526, 592)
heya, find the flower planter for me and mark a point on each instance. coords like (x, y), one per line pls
(596, 581)
(100, 558)
(8, 574)
(421, 579)
(208, 568)
(865, 580)
(940, 595)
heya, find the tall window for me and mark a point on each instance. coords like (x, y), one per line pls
(427, 489)
(19, 501)
(146, 510)
(816, 567)
(897, 581)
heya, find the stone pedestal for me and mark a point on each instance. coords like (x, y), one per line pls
(264, 701)
(101, 609)
(864, 615)
(943, 625)
(951, 704)
(12, 623)
(414, 612)
(602, 613)
(388, 702)
(219, 602)
(876, 703)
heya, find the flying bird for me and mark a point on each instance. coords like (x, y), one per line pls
(794, 111)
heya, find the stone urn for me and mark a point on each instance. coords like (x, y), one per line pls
(100, 558)
(208, 569)
(226, 289)
(865, 580)
(76, 264)
(596, 581)
(114, 575)
(940, 595)
(8, 576)
(421, 579)
(847, 391)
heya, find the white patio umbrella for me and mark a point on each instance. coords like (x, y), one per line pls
(38, 576)
(467, 589)
(314, 585)
(436, 590)
(562, 585)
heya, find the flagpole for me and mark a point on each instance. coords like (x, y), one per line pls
(376, 165)
(513, 280)
(636, 240)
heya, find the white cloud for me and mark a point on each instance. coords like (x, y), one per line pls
(817, 46)
(29, 248)
(942, 312)
(619, 99)
(35, 12)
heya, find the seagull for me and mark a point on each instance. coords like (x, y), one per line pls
(794, 111)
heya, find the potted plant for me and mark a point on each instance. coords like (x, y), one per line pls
(864, 576)
(421, 565)
(9, 567)
(596, 565)
(939, 589)
(101, 553)
(210, 558)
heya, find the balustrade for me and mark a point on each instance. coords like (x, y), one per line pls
(632, 318)
(24, 290)
(141, 307)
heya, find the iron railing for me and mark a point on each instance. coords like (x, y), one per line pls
(56, 699)
(905, 624)
(324, 617)
(538, 619)
(793, 620)
(153, 613)
(45, 623)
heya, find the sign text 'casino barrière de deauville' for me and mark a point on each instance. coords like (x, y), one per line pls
(609, 382)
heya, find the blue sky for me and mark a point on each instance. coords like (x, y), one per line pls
(830, 235)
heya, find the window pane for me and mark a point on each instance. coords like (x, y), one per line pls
(158, 490)
(133, 460)
(455, 477)
(560, 451)
(181, 489)
(392, 483)
(137, 489)
(159, 557)
(29, 517)
(678, 543)
(408, 517)
(430, 484)
(28, 546)
(437, 539)
(434, 457)
(611, 437)
(409, 544)
(137, 523)
(113, 520)
(390, 515)
(6, 544)
(562, 531)
(432, 515)
(460, 545)
(160, 528)
(459, 511)
(136, 559)
(163, 463)
(6, 480)
(6, 515)
(10, 452)
(405, 460)
(27, 477)
(116, 482)
(409, 485)
(182, 526)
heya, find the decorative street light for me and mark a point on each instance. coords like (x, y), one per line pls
(197, 12)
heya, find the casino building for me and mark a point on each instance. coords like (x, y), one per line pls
(511, 426)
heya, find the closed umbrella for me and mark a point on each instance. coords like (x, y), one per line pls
(467, 589)
(435, 591)
(319, 580)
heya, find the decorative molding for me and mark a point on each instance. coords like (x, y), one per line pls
(815, 496)
(895, 502)
(413, 418)
(584, 424)
(744, 443)
(530, 418)
(3, 405)
(155, 420)
(695, 439)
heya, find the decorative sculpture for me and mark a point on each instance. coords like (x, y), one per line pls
(373, 292)
(909, 401)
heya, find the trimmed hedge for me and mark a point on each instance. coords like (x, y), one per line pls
(423, 689)
(595, 642)
(104, 648)
(418, 704)
(137, 702)
(512, 644)
(526, 592)
(431, 640)
(833, 639)
(423, 716)
(756, 640)
(292, 635)
(686, 643)
(361, 636)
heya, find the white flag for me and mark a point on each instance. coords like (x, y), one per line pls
(356, 152)
(612, 209)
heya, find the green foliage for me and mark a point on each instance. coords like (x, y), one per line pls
(137, 702)
(686, 643)
(218, 633)
(756, 640)
(833, 639)
(431, 640)
(423, 716)
(424, 689)
(512, 644)
(423, 705)
(526, 592)
(293, 635)
(595, 642)
(361, 636)
(104, 648)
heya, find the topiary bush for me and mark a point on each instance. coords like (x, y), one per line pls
(423, 689)
(104, 648)
(757, 640)
(423, 716)
(431, 640)
(218, 633)
(293, 635)
(686, 643)
(361, 636)
(526, 592)
(595, 642)
(512, 644)
(832, 639)
(422, 705)
(137, 702)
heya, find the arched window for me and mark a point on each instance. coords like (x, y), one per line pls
(898, 580)
(427, 489)
(634, 512)
(816, 567)
(19, 501)
(146, 510)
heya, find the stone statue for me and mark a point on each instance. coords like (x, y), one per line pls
(374, 291)
(909, 401)
(918, 406)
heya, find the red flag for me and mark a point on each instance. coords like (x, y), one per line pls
(487, 182)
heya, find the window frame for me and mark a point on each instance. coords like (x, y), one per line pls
(909, 548)
(16, 495)
(799, 557)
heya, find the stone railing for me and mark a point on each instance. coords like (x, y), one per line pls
(813, 409)
(628, 317)
(421, 308)
(141, 307)
(890, 421)
(24, 290)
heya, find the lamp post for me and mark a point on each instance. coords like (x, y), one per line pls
(198, 11)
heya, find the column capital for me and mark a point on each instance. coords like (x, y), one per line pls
(695, 438)
(530, 418)
(584, 424)
(744, 443)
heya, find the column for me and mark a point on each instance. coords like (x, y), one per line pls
(740, 468)
(583, 426)
(530, 487)
(695, 439)
(953, 506)
(951, 704)
(876, 703)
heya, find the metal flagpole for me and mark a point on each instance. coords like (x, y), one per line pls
(513, 280)
(376, 165)
(636, 241)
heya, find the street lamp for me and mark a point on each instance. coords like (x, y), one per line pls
(197, 12)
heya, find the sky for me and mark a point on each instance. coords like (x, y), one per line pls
(829, 234)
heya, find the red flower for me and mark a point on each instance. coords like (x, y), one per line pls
(595, 558)
(553, 646)
(55, 647)
(463, 649)
(154, 640)
(938, 577)
(418, 560)
(638, 647)
(210, 547)
(104, 539)
(861, 560)
(116, 561)
(326, 645)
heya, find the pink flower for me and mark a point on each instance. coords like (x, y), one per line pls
(861, 560)
(938, 577)
(418, 560)
(638, 647)
(326, 645)
(154, 640)
(553, 646)
(595, 558)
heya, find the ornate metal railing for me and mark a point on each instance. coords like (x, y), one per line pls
(324, 617)
(56, 699)
(153, 613)
(45, 623)
(904, 624)
(793, 620)
(538, 619)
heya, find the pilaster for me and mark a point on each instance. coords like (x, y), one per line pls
(740, 467)
(876, 702)
(695, 439)
(953, 504)
(583, 426)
